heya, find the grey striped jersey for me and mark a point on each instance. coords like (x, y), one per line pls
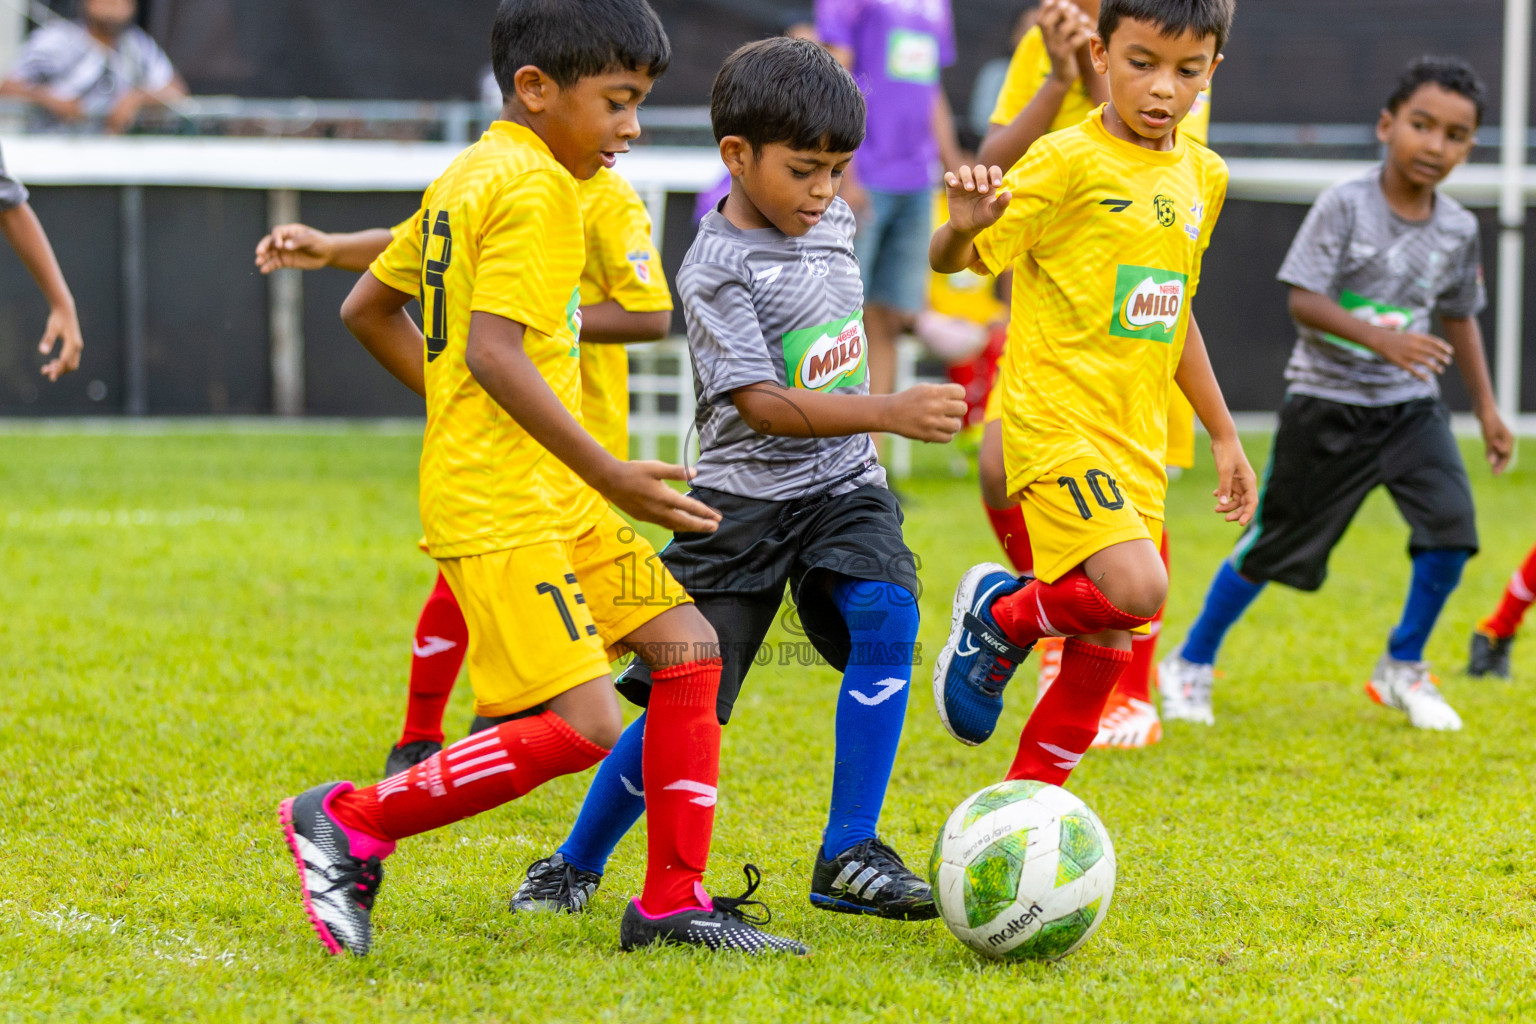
(1390, 271)
(762, 306)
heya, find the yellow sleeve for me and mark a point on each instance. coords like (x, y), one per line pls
(399, 266)
(622, 261)
(1023, 78)
(1038, 183)
(528, 245)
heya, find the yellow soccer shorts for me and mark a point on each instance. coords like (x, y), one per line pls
(1077, 510)
(545, 618)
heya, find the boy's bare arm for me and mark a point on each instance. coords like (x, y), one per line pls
(1065, 29)
(495, 356)
(25, 233)
(303, 247)
(1237, 488)
(1423, 355)
(610, 323)
(375, 314)
(925, 412)
(1466, 340)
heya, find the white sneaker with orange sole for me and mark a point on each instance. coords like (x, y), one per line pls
(1407, 686)
(1128, 723)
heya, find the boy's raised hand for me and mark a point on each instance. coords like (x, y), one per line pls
(1065, 29)
(294, 245)
(1237, 488)
(929, 412)
(976, 198)
(639, 489)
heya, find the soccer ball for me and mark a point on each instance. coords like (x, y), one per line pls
(1023, 870)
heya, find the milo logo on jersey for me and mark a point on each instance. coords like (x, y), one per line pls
(1377, 314)
(1148, 303)
(827, 356)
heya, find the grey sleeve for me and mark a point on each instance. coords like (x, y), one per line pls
(724, 336)
(12, 192)
(1465, 295)
(1318, 248)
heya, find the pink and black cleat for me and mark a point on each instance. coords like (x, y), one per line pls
(338, 887)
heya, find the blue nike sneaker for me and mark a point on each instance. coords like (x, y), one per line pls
(978, 660)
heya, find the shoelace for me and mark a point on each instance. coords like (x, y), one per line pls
(883, 858)
(360, 879)
(999, 674)
(551, 882)
(734, 906)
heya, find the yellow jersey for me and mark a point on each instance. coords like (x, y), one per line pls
(1030, 67)
(1105, 238)
(624, 266)
(967, 295)
(499, 232)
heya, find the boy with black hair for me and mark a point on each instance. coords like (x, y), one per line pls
(1105, 225)
(624, 298)
(774, 302)
(1374, 261)
(513, 491)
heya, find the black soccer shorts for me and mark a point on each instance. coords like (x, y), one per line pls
(1327, 457)
(736, 576)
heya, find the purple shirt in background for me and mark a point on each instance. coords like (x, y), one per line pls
(707, 201)
(898, 47)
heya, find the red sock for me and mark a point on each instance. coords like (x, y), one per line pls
(1136, 684)
(437, 652)
(1072, 606)
(681, 759)
(1518, 596)
(473, 775)
(1066, 720)
(1013, 535)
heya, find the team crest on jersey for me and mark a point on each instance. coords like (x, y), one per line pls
(640, 263)
(816, 263)
(1166, 214)
(827, 356)
(1148, 303)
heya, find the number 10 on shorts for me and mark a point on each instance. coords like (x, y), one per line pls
(1101, 485)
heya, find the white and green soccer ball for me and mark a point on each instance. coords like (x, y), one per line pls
(1023, 870)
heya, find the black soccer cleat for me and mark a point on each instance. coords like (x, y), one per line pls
(870, 878)
(553, 885)
(1490, 655)
(338, 888)
(726, 927)
(405, 756)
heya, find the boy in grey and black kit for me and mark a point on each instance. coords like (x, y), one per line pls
(774, 304)
(1375, 261)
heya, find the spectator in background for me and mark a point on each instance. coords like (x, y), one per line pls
(895, 49)
(94, 74)
(989, 80)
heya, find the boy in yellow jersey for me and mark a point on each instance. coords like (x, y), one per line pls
(624, 298)
(1051, 86)
(1104, 225)
(513, 495)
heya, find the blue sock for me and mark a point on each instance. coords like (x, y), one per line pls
(871, 707)
(1229, 596)
(612, 806)
(1435, 574)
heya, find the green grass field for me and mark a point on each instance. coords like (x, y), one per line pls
(194, 626)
